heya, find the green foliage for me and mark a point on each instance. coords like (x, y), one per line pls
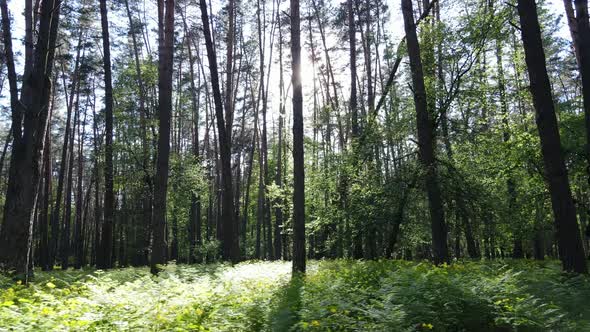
(336, 295)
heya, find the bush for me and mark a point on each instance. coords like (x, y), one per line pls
(338, 295)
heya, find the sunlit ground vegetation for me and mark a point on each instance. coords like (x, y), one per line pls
(339, 295)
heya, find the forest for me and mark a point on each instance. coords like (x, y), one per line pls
(300, 165)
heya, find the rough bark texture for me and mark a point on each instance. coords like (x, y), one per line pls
(571, 251)
(29, 132)
(165, 63)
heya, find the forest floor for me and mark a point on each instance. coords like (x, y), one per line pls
(336, 295)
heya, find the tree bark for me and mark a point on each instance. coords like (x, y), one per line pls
(573, 27)
(278, 244)
(44, 218)
(426, 128)
(105, 257)
(165, 63)
(78, 228)
(298, 136)
(353, 75)
(571, 251)
(583, 53)
(28, 138)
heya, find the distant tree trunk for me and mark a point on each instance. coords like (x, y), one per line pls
(462, 211)
(298, 135)
(518, 251)
(426, 128)
(263, 157)
(278, 244)
(174, 245)
(368, 56)
(230, 247)
(248, 182)
(86, 230)
(141, 254)
(538, 240)
(195, 237)
(97, 209)
(105, 256)
(259, 206)
(571, 251)
(44, 219)
(56, 213)
(66, 239)
(165, 63)
(78, 229)
(353, 75)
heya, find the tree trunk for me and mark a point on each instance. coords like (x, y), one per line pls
(44, 218)
(165, 63)
(573, 27)
(230, 247)
(26, 157)
(66, 234)
(583, 52)
(105, 256)
(571, 251)
(195, 237)
(96, 248)
(426, 128)
(298, 136)
(78, 229)
(278, 244)
(353, 75)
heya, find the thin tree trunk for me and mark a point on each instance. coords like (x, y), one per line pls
(279, 169)
(298, 136)
(105, 257)
(353, 75)
(44, 219)
(195, 212)
(230, 247)
(78, 229)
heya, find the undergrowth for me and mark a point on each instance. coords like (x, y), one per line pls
(338, 295)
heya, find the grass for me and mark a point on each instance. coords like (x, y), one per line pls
(338, 295)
